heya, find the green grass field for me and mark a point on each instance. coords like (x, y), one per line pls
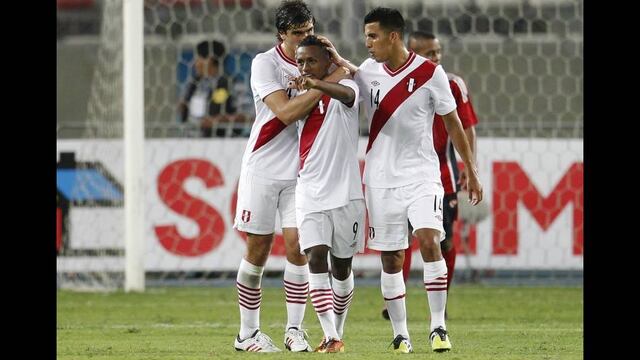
(201, 323)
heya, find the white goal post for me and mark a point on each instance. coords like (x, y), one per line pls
(133, 103)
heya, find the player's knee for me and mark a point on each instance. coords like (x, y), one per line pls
(340, 268)
(392, 261)
(258, 248)
(428, 237)
(317, 258)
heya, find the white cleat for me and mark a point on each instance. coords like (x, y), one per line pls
(296, 340)
(258, 342)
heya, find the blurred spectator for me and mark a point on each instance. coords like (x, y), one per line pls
(207, 100)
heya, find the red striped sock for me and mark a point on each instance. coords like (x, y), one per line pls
(322, 299)
(435, 282)
(248, 284)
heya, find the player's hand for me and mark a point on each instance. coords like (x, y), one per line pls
(474, 187)
(463, 180)
(305, 83)
(335, 57)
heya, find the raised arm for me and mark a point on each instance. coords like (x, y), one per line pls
(337, 91)
(290, 110)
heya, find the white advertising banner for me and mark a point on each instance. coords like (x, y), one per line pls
(533, 189)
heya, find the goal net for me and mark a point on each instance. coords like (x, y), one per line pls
(522, 64)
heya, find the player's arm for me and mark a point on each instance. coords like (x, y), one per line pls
(337, 91)
(290, 110)
(470, 132)
(459, 139)
(468, 118)
(445, 105)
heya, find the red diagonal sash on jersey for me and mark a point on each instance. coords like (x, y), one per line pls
(396, 96)
(311, 128)
(268, 131)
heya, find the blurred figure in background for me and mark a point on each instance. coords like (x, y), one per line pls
(207, 100)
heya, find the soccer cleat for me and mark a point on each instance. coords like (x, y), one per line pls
(439, 340)
(401, 345)
(330, 346)
(258, 342)
(322, 347)
(335, 346)
(296, 340)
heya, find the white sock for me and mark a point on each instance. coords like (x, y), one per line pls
(435, 282)
(296, 288)
(322, 300)
(249, 297)
(342, 295)
(393, 291)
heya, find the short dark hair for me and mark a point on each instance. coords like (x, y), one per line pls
(422, 35)
(292, 13)
(312, 40)
(389, 19)
(214, 48)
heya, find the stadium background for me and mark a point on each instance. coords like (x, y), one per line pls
(522, 61)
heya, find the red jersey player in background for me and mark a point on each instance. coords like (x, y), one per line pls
(428, 45)
(268, 179)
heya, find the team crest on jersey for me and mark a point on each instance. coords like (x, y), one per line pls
(375, 83)
(246, 215)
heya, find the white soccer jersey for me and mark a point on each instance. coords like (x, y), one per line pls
(329, 171)
(400, 106)
(272, 150)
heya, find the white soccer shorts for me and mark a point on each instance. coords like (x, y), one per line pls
(341, 229)
(258, 200)
(389, 209)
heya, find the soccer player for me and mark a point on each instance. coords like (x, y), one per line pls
(401, 92)
(428, 45)
(267, 182)
(329, 201)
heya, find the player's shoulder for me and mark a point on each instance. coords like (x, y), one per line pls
(420, 60)
(457, 81)
(266, 56)
(264, 63)
(368, 64)
(454, 77)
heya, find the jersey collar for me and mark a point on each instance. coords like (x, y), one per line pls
(284, 56)
(412, 56)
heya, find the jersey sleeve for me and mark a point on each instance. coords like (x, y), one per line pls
(463, 101)
(359, 79)
(352, 84)
(264, 77)
(443, 98)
